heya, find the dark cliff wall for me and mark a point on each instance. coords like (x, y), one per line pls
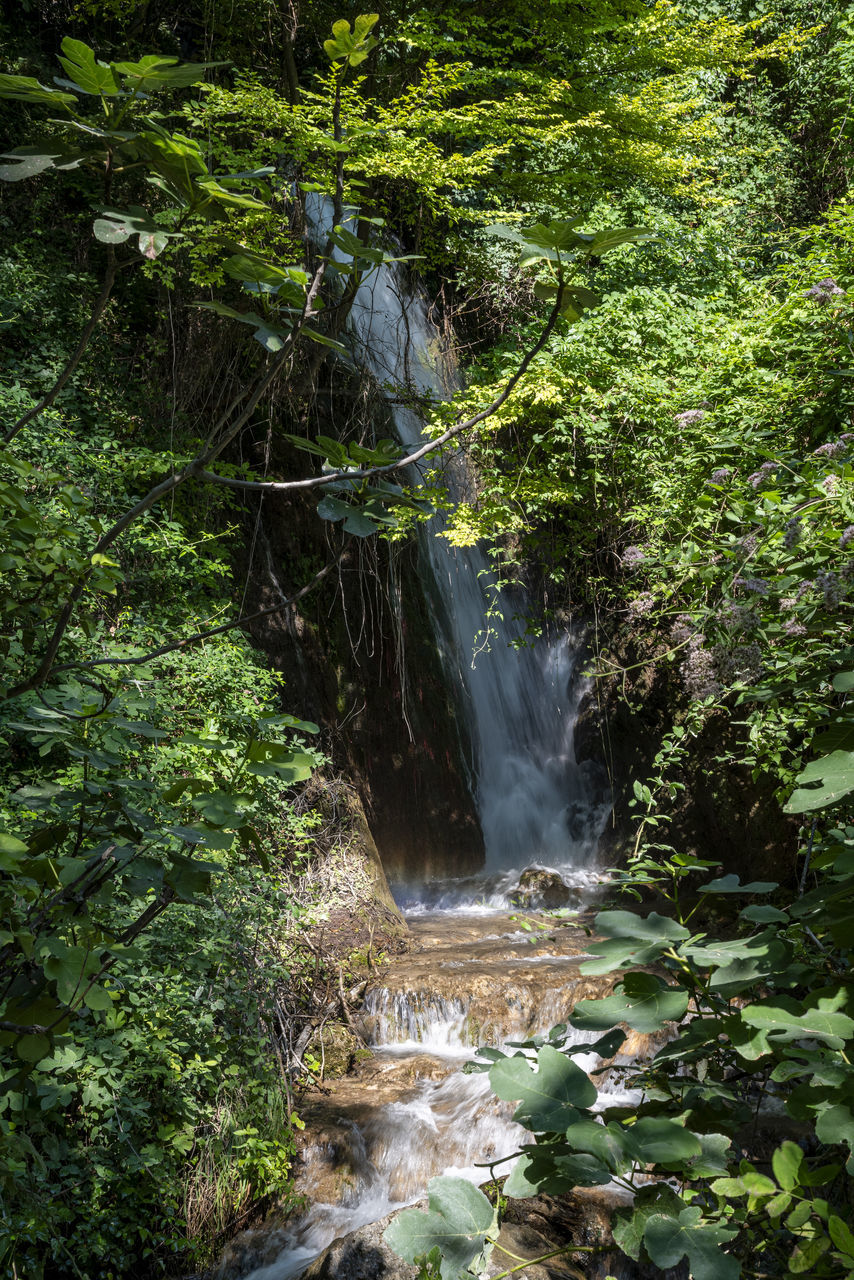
(359, 658)
(720, 810)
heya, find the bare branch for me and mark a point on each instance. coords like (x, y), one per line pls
(333, 477)
(242, 621)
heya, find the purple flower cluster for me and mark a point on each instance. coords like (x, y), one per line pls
(831, 588)
(749, 544)
(682, 629)
(794, 628)
(743, 663)
(641, 604)
(830, 484)
(846, 536)
(632, 558)
(738, 618)
(721, 476)
(690, 417)
(823, 292)
(830, 449)
(699, 671)
(792, 536)
(758, 476)
(758, 586)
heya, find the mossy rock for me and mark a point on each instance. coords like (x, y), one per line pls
(336, 1048)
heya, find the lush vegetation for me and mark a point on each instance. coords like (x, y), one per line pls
(673, 458)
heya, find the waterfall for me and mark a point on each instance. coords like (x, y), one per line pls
(536, 804)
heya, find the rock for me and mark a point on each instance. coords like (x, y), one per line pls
(335, 1047)
(544, 890)
(361, 1255)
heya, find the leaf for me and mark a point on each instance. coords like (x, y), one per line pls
(12, 851)
(98, 998)
(352, 46)
(783, 1023)
(760, 913)
(824, 781)
(554, 1171)
(656, 1140)
(85, 71)
(31, 161)
(27, 89)
(643, 1001)
(460, 1222)
(713, 1159)
(548, 1096)
(155, 72)
(628, 1226)
(631, 940)
(361, 526)
(786, 1162)
(732, 884)
(603, 241)
(32, 1048)
(841, 1235)
(836, 1125)
(669, 1239)
(843, 681)
(806, 1254)
(115, 227)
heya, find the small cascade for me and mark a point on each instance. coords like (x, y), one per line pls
(410, 1113)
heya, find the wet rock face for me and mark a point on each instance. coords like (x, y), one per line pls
(484, 981)
(543, 890)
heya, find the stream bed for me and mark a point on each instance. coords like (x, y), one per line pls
(408, 1112)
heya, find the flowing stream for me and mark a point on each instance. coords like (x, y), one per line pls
(476, 974)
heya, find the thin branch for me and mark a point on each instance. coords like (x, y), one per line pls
(242, 621)
(77, 355)
(333, 477)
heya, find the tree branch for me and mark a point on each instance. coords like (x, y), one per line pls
(333, 477)
(78, 353)
(242, 621)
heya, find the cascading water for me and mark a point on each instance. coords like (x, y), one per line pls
(535, 803)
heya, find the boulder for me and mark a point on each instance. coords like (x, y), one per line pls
(544, 890)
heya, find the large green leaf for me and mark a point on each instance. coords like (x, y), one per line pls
(352, 46)
(732, 884)
(459, 1221)
(631, 939)
(643, 1001)
(668, 1240)
(85, 71)
(155, 72)
(554, 1170)
(549, 1096)
(29, 162)
(26, 89)
(628, 1224)
(116, 226)
(784, 1021)
(823, 782)
(656, 1140)
(612, 239)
